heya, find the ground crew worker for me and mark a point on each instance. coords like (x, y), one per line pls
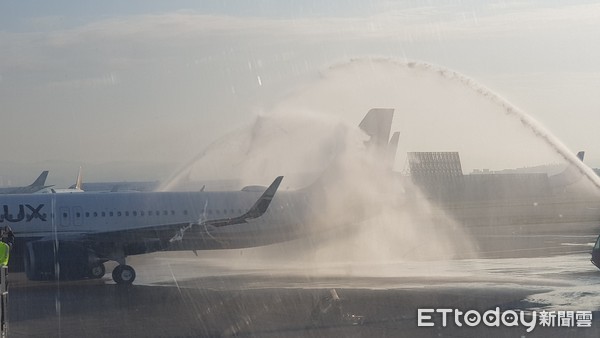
(6, 244)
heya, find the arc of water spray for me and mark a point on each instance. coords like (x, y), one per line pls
(510, 110)
(186, 169)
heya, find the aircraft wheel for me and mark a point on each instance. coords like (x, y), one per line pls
(97, 271)
(123, 274)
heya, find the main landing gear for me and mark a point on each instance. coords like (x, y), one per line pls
(97, 271)
(123, 274)
(65, 260)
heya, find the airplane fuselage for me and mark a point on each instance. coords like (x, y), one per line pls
(47, 216)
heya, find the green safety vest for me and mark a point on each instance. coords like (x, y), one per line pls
(4, 253)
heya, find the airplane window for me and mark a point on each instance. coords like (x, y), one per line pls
(135, 213)
(185, 212)
(111, 214)
(87, 214)
(172, 212)
(217, 211)
(103, 214)
(126, 213)
(141, 213)
(165, 212)
(225, 211)
(150, 213)
(77, 215)
(95, 214)
(64, 215)
(119, 213)
(157, 213)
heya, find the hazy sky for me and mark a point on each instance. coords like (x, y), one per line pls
(155, 81)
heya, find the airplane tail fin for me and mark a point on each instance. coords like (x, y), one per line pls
(377, 124)
(581, 155)
(41, 180)
(79, 181)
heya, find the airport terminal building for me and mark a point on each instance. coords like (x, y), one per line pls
(488, 198)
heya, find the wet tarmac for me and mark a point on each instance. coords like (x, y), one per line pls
(96, 310)
(214, 294)
(280, 291)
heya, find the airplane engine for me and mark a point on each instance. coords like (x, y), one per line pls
(45, 258)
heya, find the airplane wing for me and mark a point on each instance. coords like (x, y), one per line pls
(257, 210)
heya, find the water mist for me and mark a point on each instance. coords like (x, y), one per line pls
(366, 217)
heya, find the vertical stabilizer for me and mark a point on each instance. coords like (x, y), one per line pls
(41, 180)
(78, 183)
(78, 186)
(378, 124)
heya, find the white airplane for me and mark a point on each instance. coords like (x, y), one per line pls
(81, 232)
(71, 236)
(75, 188)
(37, 185)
